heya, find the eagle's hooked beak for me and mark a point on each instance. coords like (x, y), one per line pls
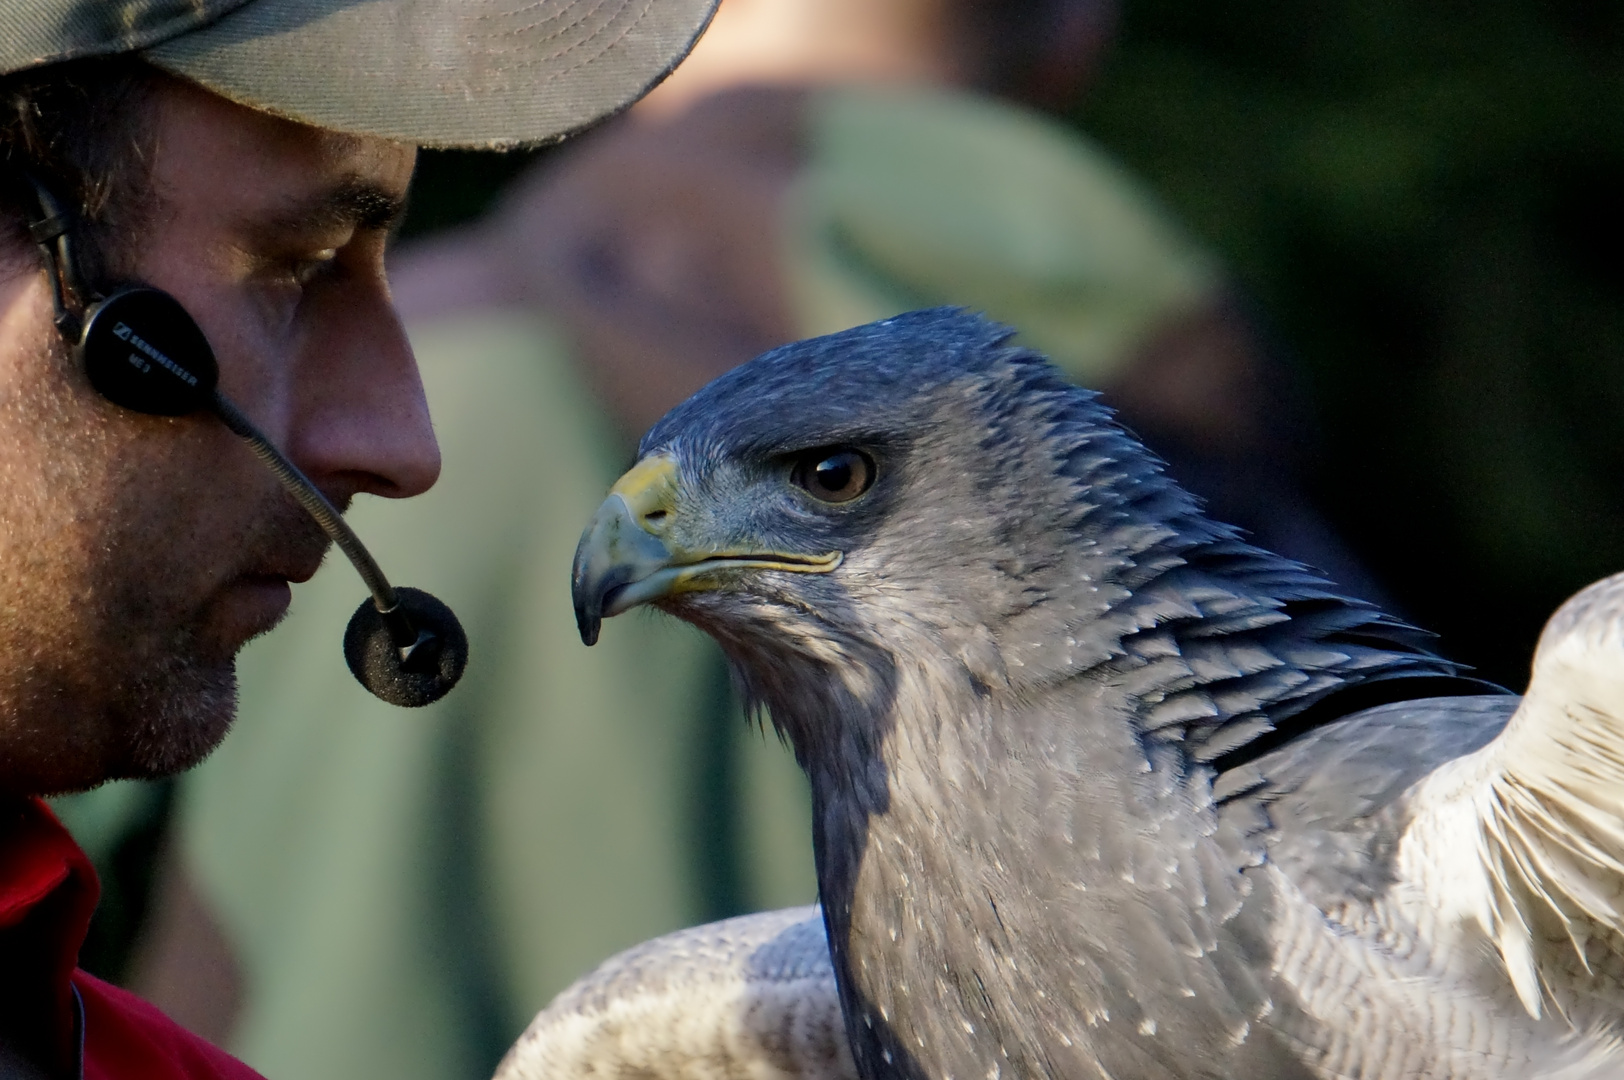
(629, 555)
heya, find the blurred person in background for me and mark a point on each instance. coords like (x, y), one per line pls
(351, 891)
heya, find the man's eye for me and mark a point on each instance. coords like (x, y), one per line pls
(308, 269)
(834, 475)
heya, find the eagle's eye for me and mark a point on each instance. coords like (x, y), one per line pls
(834, 476)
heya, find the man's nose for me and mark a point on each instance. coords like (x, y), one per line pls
(363, 421)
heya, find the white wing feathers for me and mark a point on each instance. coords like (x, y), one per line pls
(751, 998)
(1526, 836)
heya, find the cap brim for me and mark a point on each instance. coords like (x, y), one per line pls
(441, 73)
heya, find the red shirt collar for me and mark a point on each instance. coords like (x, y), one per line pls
(48, 891)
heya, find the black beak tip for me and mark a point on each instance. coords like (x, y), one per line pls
(588, 623)
(588, 603)
(591, 595)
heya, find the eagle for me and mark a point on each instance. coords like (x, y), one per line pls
(1100, 790)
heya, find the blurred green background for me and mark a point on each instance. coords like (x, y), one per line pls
(1425, 203)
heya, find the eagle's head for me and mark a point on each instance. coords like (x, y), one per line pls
(917, 492)
(920, 503)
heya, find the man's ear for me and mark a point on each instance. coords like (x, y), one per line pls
(19, 264)
(18, 255)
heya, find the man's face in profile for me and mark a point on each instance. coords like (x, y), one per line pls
(139, 553)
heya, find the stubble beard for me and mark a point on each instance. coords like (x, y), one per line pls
(121, 534)
(176, 712)
(179, 700)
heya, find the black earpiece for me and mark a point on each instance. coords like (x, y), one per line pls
(143, 351)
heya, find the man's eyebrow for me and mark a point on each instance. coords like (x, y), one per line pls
(350, 204)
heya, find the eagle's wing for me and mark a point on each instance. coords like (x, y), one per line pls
(1525, 837)
(751, 998)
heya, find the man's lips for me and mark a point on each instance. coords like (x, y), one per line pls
(250, 605)
(267, 594)
(297, 575)
(264, 581)
(278, 583)
(295, 569)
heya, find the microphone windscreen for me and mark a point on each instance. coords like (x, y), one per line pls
(375, 660)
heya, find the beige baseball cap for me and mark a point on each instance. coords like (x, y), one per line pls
(442, 73)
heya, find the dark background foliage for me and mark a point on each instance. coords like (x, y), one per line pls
(1425, 201)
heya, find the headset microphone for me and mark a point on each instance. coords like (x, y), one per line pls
(142, 350)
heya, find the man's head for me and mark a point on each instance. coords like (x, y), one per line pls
(138, 553)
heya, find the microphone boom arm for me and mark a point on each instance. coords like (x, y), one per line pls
(407, 638)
